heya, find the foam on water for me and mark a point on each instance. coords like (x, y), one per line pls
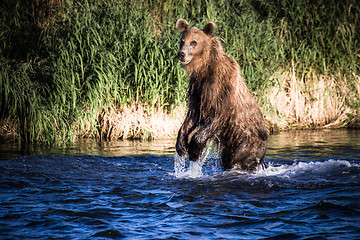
(314, 167)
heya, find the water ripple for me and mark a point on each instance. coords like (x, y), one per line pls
(81, 197)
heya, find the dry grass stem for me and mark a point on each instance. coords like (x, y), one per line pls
(137, 122)
(314, 101)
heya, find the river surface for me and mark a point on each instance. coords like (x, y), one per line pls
(310, 189)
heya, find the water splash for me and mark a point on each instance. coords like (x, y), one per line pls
(184, 168)
(207, 165)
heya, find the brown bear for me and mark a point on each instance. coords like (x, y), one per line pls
(220, 105)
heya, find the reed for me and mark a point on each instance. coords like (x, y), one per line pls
(108, 69)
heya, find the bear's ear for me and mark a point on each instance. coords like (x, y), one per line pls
(182, 25)
(209, 28)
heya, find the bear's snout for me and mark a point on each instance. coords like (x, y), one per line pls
(181, 56)
(184, 58)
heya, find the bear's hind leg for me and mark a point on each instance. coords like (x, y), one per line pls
(248, 156)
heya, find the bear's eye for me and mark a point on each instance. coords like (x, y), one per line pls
(193, 43)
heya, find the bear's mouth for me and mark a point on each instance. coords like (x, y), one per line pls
(184, 61)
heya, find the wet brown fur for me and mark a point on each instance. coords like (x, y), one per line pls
(220, 105)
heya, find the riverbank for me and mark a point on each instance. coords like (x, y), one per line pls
(283, 112)
(89, 69)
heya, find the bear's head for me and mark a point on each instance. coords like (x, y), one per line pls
(195, 44)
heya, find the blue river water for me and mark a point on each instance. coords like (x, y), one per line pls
(310, 189)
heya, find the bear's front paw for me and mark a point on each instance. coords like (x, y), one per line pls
(181, 148)
(195, 149)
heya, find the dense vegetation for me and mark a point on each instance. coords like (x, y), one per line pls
(66, 65)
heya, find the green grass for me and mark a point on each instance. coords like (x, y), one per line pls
(64, 69)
